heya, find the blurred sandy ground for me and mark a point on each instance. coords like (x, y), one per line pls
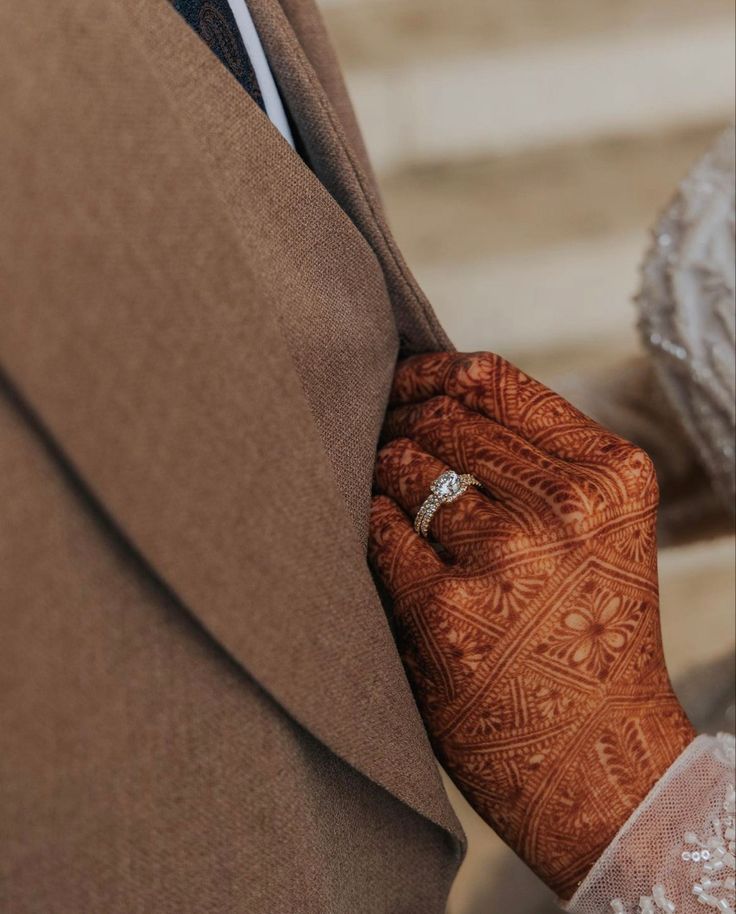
(524, 149)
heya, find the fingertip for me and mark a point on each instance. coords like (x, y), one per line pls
(399, 443)
(418, 377)
(387, 523)
(381, 510)
(393, 451)
(385, 519)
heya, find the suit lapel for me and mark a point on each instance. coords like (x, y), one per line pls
(304, 22)
(339, 166)
(150, 346)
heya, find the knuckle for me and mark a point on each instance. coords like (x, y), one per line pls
(642, 471)
(634, 468)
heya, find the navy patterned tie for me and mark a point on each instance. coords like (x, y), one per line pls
(215, 24)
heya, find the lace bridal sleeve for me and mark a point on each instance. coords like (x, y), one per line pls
(675, 854)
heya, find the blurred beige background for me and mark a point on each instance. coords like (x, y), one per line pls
(524, 149)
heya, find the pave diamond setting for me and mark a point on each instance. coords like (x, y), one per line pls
(448, 487)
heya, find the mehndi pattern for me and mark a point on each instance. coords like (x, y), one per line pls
(531, 637)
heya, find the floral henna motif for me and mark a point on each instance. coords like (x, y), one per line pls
(591, 636)
(531, 634)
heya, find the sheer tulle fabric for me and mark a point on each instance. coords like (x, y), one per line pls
(676, 852)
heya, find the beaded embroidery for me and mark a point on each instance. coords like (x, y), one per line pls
(714, 852)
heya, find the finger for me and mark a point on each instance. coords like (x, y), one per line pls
(420, 377)
(538, 486)
(405, 473)
(494, 387)
(414, 575)
(401, 557)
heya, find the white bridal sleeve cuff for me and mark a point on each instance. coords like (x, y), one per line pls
(676, 852)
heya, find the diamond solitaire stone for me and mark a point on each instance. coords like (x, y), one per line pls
(446, 488)
(447, 485)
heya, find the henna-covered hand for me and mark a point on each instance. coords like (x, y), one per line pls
(532, 638)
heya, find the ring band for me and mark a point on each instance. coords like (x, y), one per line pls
(448, 487)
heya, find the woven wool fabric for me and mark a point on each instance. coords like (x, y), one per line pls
(204, 709)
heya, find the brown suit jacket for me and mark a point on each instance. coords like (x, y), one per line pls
(201, 707)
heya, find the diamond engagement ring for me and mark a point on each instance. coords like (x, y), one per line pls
(448, 487)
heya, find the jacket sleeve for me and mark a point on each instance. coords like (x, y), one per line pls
(675, 854)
